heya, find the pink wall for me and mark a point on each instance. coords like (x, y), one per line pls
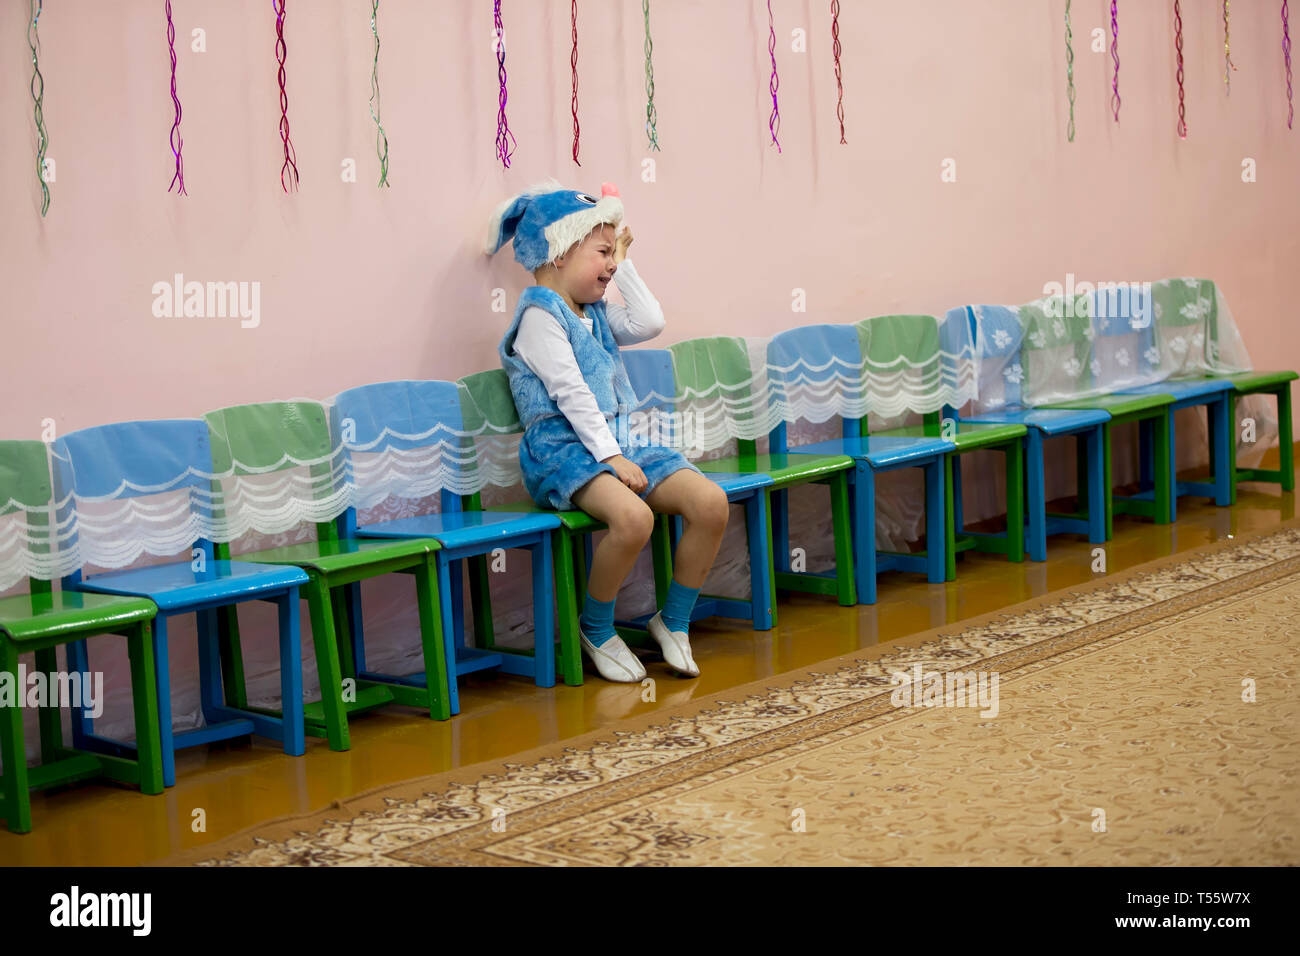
(359, 284)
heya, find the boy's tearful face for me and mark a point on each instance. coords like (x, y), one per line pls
(587, 269)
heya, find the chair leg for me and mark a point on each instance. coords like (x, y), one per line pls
(864, 531)
(771, 555)
(51, 725)
(162, 680)
(936, 530)
(320, 608)
(1164, 476)
(1110, 484)
(1015, 465)
(1037, 495)
(566, 596)
(480, 597)
(232, 657)
(450, 635)
(291, 705)
(439, 677)
(144, 695)
(79, 662)
(779, 508)
(1285, 438)
(846, 590)
(949, 522)
(543, 618)
(757, 538)
(1232, 448)
(16, 805)
(1095, 484)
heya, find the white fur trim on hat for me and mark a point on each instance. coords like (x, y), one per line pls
(562, 234)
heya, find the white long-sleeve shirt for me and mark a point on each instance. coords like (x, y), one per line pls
(544, 346)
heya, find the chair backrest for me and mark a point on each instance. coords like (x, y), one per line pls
(814, 373)
(26, 530)
(103, 474)
(1123, 336)
(405, 439)
(651, 373)
(1189, 332)
(1056, 352)
(720, 388)
(997, 336)
(259, 452)
(903, 364)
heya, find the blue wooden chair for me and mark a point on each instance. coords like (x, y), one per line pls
(651, 374)
(407, 416)
(125, 462)
(814, 354)
(997, 333)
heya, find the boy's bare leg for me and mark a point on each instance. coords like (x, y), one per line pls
(630, 522)
(703, 506)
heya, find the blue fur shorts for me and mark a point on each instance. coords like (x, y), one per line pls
(556, 464)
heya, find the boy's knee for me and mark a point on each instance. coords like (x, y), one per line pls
(711, 508)
(633, 522)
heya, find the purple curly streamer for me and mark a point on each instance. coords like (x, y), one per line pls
(1114, 55)
(774, 121)
(1286, 53)
(175, 138)
(281, 52)
(505, 139)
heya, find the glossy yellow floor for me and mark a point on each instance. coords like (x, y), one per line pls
(236, 787)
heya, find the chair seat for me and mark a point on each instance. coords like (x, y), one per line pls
(1183, 389)
(1050, 421)
(178, 585)
(966, 436)
(782, 468)
(29, 617)
(739, 483)
(1246, 382)
(1118, 405)
(329, 557)
(880, 451)
(575, 520)
(457, 529)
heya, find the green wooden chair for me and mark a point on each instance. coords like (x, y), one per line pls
(926, 348)
(272, 438)
(38, 622)
(716, 373)
(1278, 385)
(488, 411)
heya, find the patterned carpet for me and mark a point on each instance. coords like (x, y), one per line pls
(1122, 733)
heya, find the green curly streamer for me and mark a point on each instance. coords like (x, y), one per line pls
(1069, 71)
(651, 115)
(38, 96)
(381, 138)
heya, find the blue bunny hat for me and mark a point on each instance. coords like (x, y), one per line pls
(548, 219)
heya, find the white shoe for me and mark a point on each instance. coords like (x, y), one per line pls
(676, 647)
(614, 660)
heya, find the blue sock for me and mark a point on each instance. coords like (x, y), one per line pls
(597, 621)
(676, 613)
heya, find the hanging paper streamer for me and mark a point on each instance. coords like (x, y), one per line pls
(1114, 55)
(176, 141)
(573, 63)
(38, 98)
(651, 115)
(774, 121)
(1228, 65)
(1178, 45)
(1286, 54)
(381, 138)
(505, 139)
(1069, 71)
(839, 80)
(290, 158)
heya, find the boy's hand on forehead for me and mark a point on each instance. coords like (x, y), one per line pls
(621, 242)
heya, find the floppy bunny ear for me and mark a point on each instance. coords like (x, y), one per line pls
(505, 219)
